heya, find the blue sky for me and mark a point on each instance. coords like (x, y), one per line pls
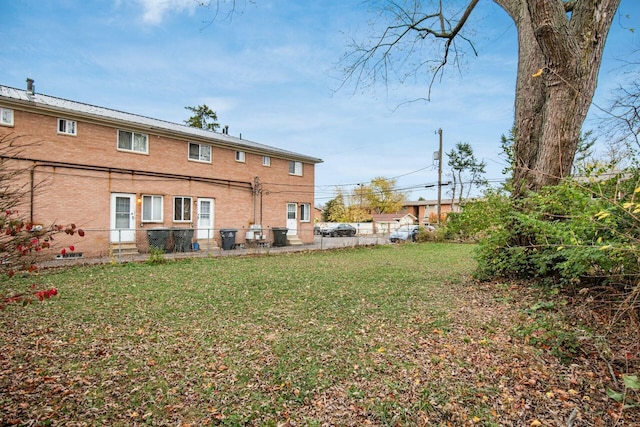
(270, 72)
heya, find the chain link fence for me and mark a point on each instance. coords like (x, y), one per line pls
(125, 245)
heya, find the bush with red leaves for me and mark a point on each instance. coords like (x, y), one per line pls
(21, 244)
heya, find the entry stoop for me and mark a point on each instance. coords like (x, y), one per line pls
(293, 240)
(126, 249)
(205, 245)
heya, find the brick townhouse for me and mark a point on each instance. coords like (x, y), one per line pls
(118, 175)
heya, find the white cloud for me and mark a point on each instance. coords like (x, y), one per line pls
(155, 10)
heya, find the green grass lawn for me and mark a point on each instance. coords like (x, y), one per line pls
(387, 335)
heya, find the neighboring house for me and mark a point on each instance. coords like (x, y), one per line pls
(387, 223)
(427, 210)
(317, 215)
(117, 175)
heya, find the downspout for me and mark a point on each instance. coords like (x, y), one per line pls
(32, 174)
(261, 207)
(255, 198)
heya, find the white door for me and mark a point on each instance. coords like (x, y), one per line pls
(292, 218)
(205, 219)
(123, 217)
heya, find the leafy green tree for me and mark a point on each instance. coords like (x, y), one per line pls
(465, 169)
(381, 196)
(203, 118)
(335, 209)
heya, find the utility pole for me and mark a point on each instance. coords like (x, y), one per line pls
(439, 175)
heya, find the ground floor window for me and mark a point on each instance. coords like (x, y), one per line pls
(305, 212)
(182, 209)
(151, 208)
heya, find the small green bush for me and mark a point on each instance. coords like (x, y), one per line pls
(156, 256)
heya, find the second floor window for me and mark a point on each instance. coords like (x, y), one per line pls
(295, 168)
(6, 116)
(199, 152)
(67, 127)
(151, 208)
(266, 161)
(133, 141)
(240, 156)
(182, 209)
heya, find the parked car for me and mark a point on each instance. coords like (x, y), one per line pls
(336, 230)
(406, 233)
(317, 230)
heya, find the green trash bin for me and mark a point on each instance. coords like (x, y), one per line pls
(182, 238)
(279, 236)
(228, 238)
(159, 238)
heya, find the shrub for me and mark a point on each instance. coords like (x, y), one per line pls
(575, 233)
(479, 217)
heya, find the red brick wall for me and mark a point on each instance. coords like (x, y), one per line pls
(68, 194)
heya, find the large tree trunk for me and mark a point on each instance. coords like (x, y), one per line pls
(565, 41)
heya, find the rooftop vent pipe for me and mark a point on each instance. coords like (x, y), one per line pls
(31, 88)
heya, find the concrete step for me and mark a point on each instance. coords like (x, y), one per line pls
(207, 245)
(293, 240)
(129, 248)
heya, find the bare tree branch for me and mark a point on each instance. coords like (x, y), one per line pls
(411, 32)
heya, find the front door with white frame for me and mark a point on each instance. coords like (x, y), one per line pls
(123, 218)
(205, 219)
(292, 218)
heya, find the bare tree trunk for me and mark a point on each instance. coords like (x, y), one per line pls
(551, 104)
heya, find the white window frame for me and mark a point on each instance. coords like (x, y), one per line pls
(266, 161)
(201, 156)
(156, 212)
(133, 142)
(295, 168)
(185, 201)
(6, 112)
(240, 156)
(67, 127)
(305, 212)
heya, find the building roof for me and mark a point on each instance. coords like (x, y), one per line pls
(427, 202)
(94, 113)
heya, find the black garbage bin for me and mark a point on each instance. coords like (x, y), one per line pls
(228, 238)
(158, 238)
(182, 239)
(279, 236)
